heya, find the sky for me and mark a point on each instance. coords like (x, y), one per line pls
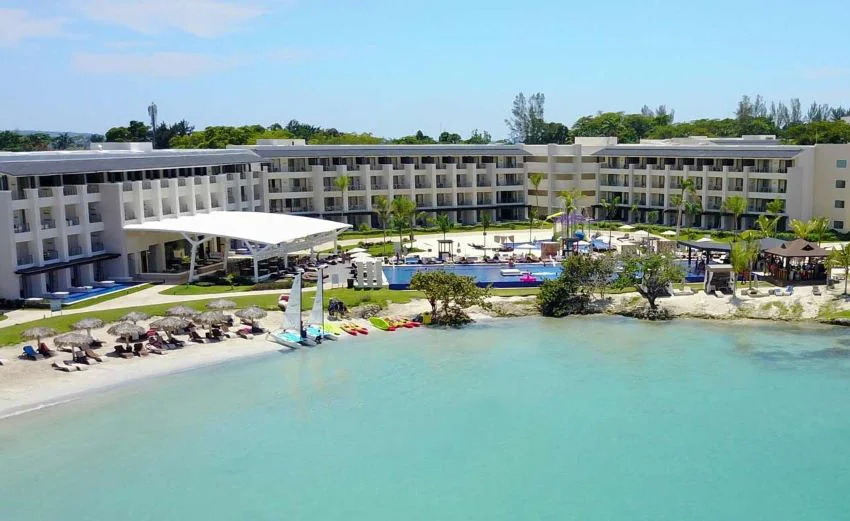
(392, 67)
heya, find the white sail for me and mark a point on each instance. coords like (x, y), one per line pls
(292, 317)
(317, 313)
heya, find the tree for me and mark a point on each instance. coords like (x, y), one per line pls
(651, 274)
(447, 137)
(610, 208)
(557, 133)
(485, 221)
(479, 138)
(736, 205)
(652, 216)
(62, 141)
(799, 228)
(692, 209)
(444, 223)
(382, 208)
(570, 199)
(686, 189)
(449, 295)
(341, 184)
(742, 255)
(633, 212)
(535, 179)
(818, 227)
(526, 124)
(581, 278)
(767, 225)
(840, 258)
(403, 212)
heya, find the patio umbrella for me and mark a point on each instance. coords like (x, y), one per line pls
(126, 331)
(704, 239)
(182, 311)
(73, 340)
(356, 250)
(221, 304)
(38, 333)
(88, 324)
(668, 233)
(135, 316)
(251, 314)
(170, 324)
(626, 227)
(208, 318)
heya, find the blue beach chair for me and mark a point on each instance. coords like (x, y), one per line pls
(30, 353)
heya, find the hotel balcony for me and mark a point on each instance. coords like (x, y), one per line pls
(22, 228)
(25, 259)
(51, 255)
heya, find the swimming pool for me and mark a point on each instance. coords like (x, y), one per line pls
(73, 298)
(398, 277)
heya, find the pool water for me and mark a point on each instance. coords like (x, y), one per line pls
(398, 277)
(73, 298)
(587, 418)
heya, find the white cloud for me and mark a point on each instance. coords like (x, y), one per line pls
(159, 64)
(824, 73)
(205, 18)
(17, 25)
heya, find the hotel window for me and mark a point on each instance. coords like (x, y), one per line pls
(839, 203)
(840, 163)
(840, 183)
(838, 225)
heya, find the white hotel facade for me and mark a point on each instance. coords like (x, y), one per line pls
(63, 215)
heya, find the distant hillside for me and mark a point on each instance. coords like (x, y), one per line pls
(51, 133)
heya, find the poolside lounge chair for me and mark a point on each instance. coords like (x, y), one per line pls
(195, 337)
(30, 353)
(91, 354)
(788, 291)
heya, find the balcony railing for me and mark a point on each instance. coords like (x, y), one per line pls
(72, 221)
(73, 251)
(22, 228)
(93, 189)
(48, 224)
(51, 255)
(127, 186)
(69, 190)
(23, 260)
(95, 218)
(400, 186)
(355, 207)
(129, 216)
(301, 209)
(148, 212)
(96, 246)
(45, 192)
(274, 189)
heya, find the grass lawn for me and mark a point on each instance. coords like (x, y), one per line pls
(351, 297)
(514, 292)
(106, 298)
(194, 289)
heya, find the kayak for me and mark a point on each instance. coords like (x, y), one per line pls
(381, 324)
(330, 327)
(348, 329)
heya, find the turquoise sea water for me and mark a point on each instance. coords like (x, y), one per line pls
(586, 419)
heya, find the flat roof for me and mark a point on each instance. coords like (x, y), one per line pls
(256, 227)
(708, 151)
(311, 151)
(88, 161)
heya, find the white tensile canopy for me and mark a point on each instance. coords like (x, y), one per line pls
(266, 234)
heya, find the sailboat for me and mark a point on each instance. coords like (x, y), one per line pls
(316, 328)
(290, 333)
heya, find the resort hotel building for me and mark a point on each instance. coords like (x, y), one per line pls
(122, 211)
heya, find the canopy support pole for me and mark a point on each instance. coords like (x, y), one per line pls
(254, 253)
(195, 242)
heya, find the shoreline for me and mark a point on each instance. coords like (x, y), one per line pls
(32, 386)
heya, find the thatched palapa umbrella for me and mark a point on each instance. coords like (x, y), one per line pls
(38, 333)
(126, 331)
(135, 316)
(182, 311)
(208, 318)
(73, 340)
(88, 324)
(222, 304)
(170, 324)
(251, 314)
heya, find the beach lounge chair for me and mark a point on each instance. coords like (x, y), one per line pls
(195, 337)
(123, 352)
(45, 351)
(155, 350)
(245, 333)
(176, 342)
(140, 350)
(89, 352)
(30, 353)
(68, 367)
(789, 290)
(718, 293)
(816, 291)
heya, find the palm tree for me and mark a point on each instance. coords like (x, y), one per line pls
(341, 184)
(686, 188)
(742, 256)
(570, 200)
(818, 227)
(767, 225)
(633, 211)
(403, 211)
(692, 210)
(610, 208)
(775, 208)
(444, 223)
(485, 220)
(736, 205)
(382, 208)
(800, 228)
(535, 180)
(840, 258)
